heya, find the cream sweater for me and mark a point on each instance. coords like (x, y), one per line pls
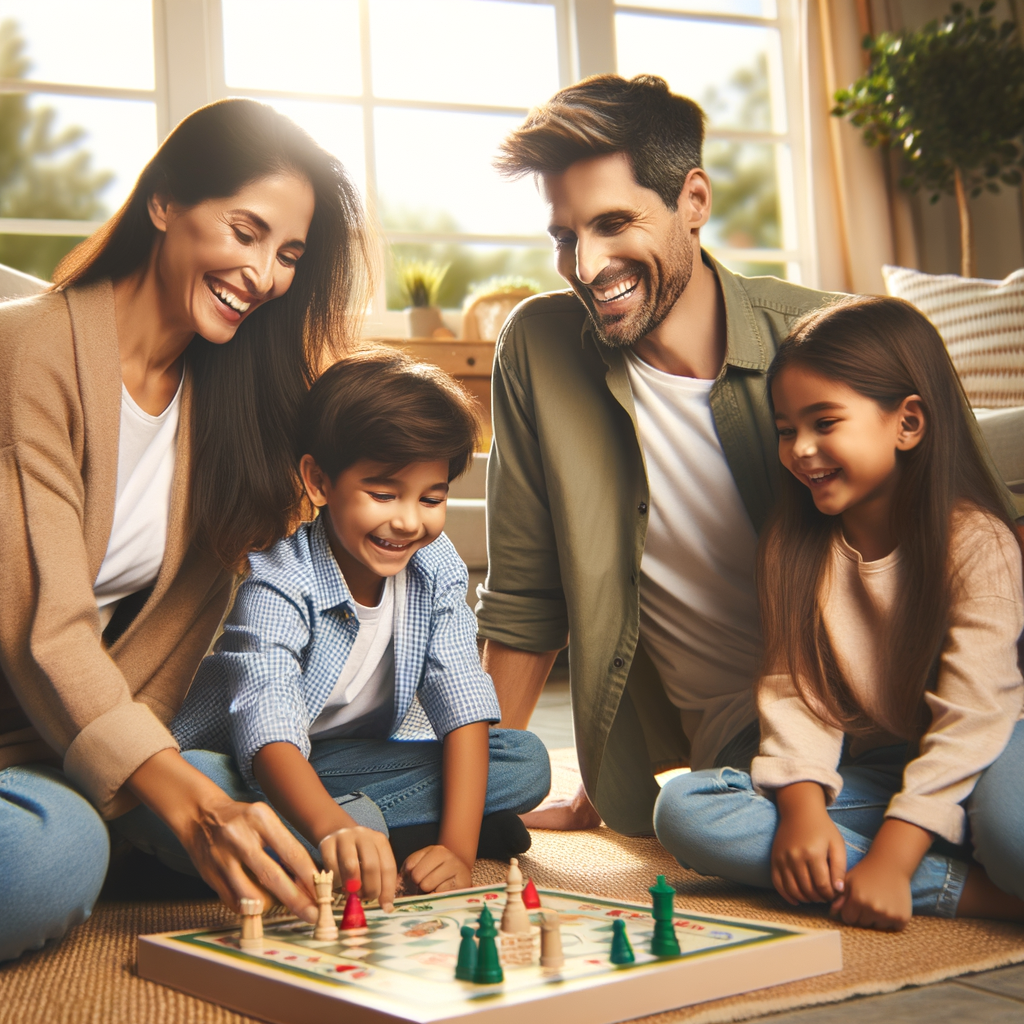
(63, 695)
(977, 700)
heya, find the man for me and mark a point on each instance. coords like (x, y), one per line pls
(634, 455)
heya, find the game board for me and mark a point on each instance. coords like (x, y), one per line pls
(401, 967)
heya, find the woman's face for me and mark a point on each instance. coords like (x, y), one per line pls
(221, 259)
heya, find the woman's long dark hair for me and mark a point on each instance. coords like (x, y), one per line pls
(883, 349)
(244, 490)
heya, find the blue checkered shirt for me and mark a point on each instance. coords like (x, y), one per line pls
(291, 630)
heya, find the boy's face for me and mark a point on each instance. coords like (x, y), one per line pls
(378, 517)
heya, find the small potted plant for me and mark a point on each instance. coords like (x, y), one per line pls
(950, 99)
(420, 281)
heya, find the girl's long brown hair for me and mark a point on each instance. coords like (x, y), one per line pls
(244, 490)
(883, 349)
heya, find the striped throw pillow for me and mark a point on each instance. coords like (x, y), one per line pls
(982, 324)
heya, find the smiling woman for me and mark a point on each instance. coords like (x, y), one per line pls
(146, 430)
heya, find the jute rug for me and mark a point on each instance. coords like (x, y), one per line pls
(90, 977)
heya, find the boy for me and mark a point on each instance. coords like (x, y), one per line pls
(350, 650)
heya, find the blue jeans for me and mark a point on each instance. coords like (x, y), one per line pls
(54, 850)
(382, 784)
(714, 822)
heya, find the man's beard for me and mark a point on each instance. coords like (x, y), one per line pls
(660, 295)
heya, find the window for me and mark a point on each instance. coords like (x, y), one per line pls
(413, 96)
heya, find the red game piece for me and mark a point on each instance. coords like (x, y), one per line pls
(353, 917)
(530, 898)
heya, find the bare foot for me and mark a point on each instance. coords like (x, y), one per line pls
(982, 898)
(564, 815)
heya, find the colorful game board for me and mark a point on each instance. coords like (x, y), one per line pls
(401, 967)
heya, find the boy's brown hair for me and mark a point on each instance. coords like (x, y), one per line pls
(379, 404)
(660, 132)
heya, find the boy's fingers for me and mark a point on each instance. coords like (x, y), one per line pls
(388, 880)
(440, 874)
(369, 865)
(837, 862)
(821, 879)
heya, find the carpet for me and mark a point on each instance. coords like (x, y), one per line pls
(90, 977)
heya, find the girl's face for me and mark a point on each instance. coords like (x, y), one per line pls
(220, 260)
(840, 444)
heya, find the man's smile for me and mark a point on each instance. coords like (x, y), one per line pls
(615, 292)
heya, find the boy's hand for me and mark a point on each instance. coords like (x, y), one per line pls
(357, 852)
(808, 854)
(877, 896)
(437, 869)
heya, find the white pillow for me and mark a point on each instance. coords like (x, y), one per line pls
(982, 324)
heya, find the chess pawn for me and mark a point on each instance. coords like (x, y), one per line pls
(488, 966)
(466, 967)
(664, 941)
(353, 917)
(251, 938)
(326, 929)
(515, 920)
(551, 957)
(622, 951)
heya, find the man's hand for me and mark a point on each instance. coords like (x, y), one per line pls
(357, 852)
(808, 854)
(437, 869)
(564, 815)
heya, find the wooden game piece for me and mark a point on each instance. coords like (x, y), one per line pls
(551, 956)
(252, 925)
(488, 967)
(664, 941)
(531, 898)
(326, 929)
(514, 919)
(466, 967)
(622, 951)
(353, 917)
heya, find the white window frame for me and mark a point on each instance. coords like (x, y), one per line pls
(189, 72)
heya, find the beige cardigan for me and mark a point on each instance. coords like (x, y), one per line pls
(62, 693)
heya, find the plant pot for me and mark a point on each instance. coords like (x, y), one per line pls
(423, 321)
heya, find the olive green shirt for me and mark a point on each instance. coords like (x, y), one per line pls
(567, 500)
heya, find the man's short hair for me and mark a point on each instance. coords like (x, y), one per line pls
(379, 404)
(660, 132)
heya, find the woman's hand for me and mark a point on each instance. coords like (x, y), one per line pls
(225, 838)
(357, 852)
(878, 888)
(808, 854)
(437, 869)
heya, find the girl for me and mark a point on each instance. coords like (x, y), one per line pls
(891, 601)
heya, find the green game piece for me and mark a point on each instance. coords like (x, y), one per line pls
(622, 951)
(664, 941)
(488, 966)
(466, 967)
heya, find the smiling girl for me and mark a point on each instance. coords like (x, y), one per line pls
(891, 602)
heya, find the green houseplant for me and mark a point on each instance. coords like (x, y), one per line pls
(420, 281)
(949, 98)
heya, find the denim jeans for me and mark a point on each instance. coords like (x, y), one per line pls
(54, 850)
(714, 822)
(382, 784)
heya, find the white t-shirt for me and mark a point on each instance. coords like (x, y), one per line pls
(363, 699)
(145, 469)
(698, 601)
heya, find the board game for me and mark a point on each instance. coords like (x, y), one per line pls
(402, 966)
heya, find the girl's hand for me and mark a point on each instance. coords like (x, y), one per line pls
(437, 869)
(877, 896)
(358, 852)
(808, 853)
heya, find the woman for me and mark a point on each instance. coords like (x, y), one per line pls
(146, 411)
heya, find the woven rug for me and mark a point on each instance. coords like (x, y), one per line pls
(90, 977)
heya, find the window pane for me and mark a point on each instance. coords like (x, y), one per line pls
(338, 127)
(35, 254)
(298, 46)
(753, 8)
(751, 269)
(472, 264)
(434, 173)
(733, 71)
(101, 42)
(464, 51)
(745, 196)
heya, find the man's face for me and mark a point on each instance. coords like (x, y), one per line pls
(626, 255)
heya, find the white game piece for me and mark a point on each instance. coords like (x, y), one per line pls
(252, 925)
(326, 929)
(515, 920)
(551, 957)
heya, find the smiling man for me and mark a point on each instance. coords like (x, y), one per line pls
(634, 455)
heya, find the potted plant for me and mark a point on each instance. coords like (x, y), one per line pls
(420, 281)
(950, 99)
